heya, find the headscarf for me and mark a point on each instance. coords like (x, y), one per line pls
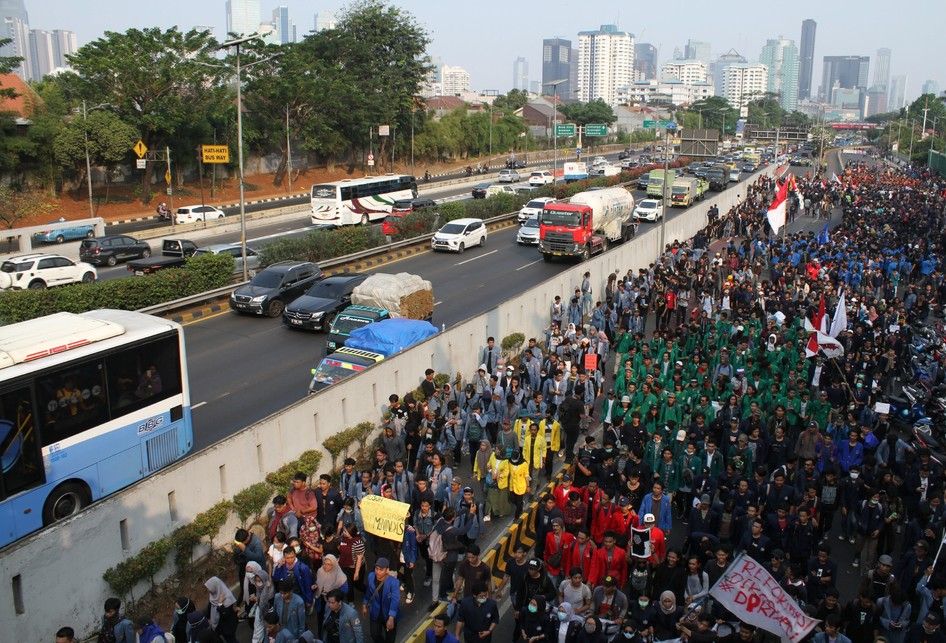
(220, 594)
(264, 590)
(482, 458)
(570, 613)
(671, 596)
(327, 581)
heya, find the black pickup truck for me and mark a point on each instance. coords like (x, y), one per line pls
(174, 252)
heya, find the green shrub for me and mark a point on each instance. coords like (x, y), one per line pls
(416, 224)
(321, 245)
(145, 564)
(201, 273)
(511, 343)
(307, 463)
(184, 539)
(208, 523)
(250, 502)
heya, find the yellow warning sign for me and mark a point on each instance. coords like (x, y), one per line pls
(167, 176)
(140, 149)
(215, 153)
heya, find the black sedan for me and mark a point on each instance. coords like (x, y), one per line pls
(112, 249)
(316, 309)
(479, 190)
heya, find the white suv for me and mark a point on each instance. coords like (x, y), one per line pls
(39, 271)
(194, 213)
(543, 177)
(459, 234)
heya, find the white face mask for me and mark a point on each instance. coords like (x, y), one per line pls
(854, 475)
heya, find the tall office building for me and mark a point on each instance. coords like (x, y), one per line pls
(930, 87)
(882, 69)
(845, 72)
(898, 87)
(18, 33)
(686, 71)
(645, 61)
(806, 58)
(697, 50)
(718, 68)
(42, 54)
(455, 80)
(325, 20)
(743, 82)
(780, 56)
(520, 74)
(283, 26)
(605, 63)
(556, 66)
(243, 17)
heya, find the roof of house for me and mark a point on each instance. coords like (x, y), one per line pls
(26, 101)
(447, 103)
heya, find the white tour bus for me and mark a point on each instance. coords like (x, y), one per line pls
(352, 201)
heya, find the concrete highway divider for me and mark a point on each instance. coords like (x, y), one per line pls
(54, 577)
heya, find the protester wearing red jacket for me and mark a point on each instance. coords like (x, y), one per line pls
(561, 491)
(601, 519)
(609, 559)
(580, 554)
(622, 520)
(658, 544)
(557, 545)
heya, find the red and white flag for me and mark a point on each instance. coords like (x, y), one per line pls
(776, 214)
(839, 321)
(820, 340)
(748, 591)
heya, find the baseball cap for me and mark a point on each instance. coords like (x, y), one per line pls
(705, 499)
(626, 398)
(885, 560)
(382, 562)
(649, 518)
(535, 563)
(609, 581)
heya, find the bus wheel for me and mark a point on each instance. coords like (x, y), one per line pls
(66, 500)
(364, 219)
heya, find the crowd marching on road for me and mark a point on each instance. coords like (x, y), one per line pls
(737, 416)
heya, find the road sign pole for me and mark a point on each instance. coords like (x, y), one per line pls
(170, 182)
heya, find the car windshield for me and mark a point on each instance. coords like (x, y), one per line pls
(403, 204)
(326, 289)
(332, 370)
(344, 324)
(531, 222)
(648, 204)
(538, 205)
(267, 279)
(678, 189)
(453, 228)
(481, 186)
(555, 217)
(10, 266)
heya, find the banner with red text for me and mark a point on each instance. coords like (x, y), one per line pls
(748, 591)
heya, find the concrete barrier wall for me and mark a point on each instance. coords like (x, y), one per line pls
(54, 578)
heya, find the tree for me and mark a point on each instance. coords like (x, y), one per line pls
(596, 111)
(108, 139)
(512, 101)
(713, 112)
(159, 82)
(16, 205)
(7, 65)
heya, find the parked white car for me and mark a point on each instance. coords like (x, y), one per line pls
(39, 271)
(459, 234)
(195, 213)
(528, 234)
(533, 208)
(649, 210)
(493, 190)
(543, 177)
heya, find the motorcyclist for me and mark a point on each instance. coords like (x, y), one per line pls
(163, 211)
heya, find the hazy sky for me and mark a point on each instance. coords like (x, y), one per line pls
(485, 36)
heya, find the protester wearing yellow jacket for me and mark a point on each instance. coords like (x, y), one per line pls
(496, 482)
(534, 449)
(519, 479)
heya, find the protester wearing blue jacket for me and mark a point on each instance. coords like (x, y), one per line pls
(381, 600)
(658, 504)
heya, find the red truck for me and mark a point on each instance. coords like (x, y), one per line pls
(587, 224)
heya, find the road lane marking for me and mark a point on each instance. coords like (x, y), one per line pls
(531, 263)
(486, 254)
(197, 406)
(206, 317)
(276, 235)
(437, 303)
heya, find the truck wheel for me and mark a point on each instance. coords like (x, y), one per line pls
(111, 261)
(604, 245)
(546, 257)
(586, 253)
(275, 308)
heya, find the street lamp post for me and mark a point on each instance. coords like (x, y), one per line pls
(226, 45)
(491, 93)
(554, 85)
(671, 127)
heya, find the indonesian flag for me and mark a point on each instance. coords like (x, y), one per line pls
(793, 186)
(820, 340)
(839, 321)
(776, 213)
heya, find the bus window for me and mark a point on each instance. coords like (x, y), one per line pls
(22, 467)
(323, 191)
(71, 401)
(142, 375)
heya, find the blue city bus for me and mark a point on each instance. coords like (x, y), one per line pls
(89, 403)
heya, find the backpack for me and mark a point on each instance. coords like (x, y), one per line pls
(435, 547)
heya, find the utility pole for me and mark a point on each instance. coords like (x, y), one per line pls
(910, 159)
(288, 152)
(88, 162)
(665, 189)
(926, 108)
(170, 179)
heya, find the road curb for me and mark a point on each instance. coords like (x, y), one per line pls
(193, 314)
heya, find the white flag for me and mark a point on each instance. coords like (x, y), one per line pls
(748, 591)
(839, 321)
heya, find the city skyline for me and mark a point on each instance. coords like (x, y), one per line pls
(453, 40)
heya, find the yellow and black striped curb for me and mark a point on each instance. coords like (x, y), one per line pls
(188, 315)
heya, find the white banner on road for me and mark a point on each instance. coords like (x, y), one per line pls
(748, 591)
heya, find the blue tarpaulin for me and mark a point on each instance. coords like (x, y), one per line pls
(390, 336)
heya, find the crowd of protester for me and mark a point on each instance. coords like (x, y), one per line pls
(718, 435)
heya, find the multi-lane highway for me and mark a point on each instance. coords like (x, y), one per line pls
(245, 368)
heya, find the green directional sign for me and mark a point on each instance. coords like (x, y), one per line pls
(596, 130)
(651, 124)
(565, 129)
